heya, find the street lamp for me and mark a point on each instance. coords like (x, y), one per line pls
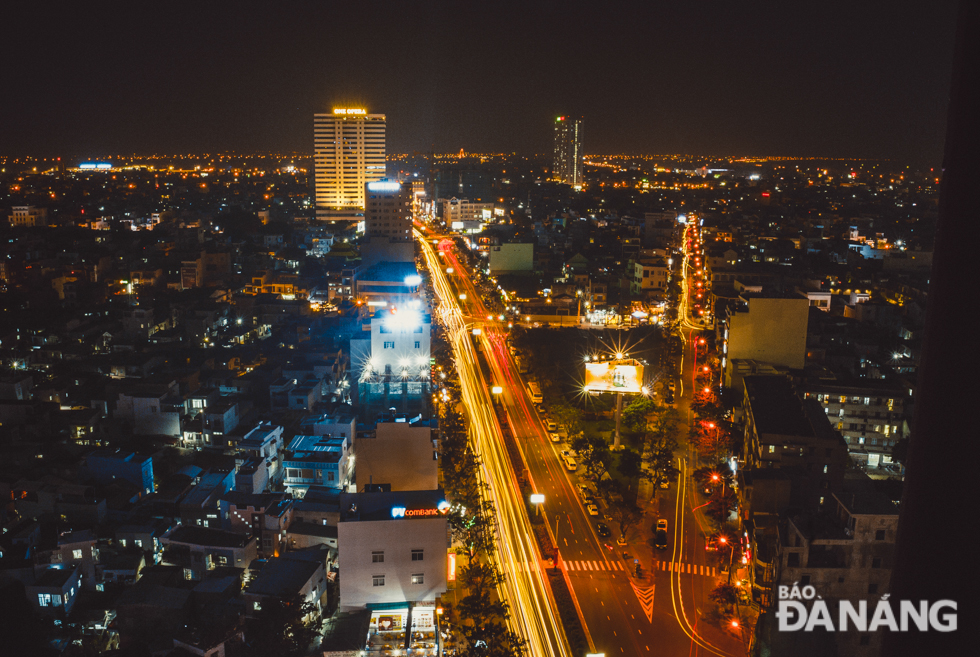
(537, 499)
(731, 555)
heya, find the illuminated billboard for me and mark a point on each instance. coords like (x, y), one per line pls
(614, 376)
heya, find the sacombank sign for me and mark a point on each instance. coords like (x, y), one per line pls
(402, 512)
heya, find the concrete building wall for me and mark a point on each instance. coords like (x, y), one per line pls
(854, 568)
(400, 455)
(773, 331)
(395, 539)
(399, 345)
(511, 257)
(650, 276)
(106, 466)
(459, 210)
(388, 210)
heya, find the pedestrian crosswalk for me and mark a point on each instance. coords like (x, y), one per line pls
(689, 568)
(594, 565)
(599, 566)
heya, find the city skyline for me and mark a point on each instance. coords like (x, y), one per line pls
(833, 81)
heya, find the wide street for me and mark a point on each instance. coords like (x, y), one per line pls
(533, 616)
(657, 613)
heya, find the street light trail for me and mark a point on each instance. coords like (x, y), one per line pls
(675, 576)
(602, 601)
(534, 616)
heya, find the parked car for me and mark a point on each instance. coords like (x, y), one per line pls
(664, 483)
(602, 529)
(584, 491)
(555, 438)
(552, 425)
(592, 509)
(660, 540)
(662, 524)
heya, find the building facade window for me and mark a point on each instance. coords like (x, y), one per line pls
(418, 555)
(76, 554)
(378, 580)
(418, 579)
(389, 345)
(880, 535)
(378, 557)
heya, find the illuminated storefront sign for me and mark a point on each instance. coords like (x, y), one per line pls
(384, 186)
(347, 110)
(451, 576)
(402, 512)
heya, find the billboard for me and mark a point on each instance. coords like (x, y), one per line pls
(614, 376)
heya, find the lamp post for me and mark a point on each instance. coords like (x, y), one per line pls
(497, 391)
(731, 556)
(557, 521)
(537, 499)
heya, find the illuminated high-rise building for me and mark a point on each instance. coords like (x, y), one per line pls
(348, 153)
(568, 151)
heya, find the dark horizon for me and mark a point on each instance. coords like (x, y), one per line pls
(830, 81)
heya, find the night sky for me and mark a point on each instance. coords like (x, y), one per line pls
(858, 78)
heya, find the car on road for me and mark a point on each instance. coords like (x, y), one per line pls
(660, 540)
(662, 524)
(592, 509)
(602, 529)
(555, 438)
